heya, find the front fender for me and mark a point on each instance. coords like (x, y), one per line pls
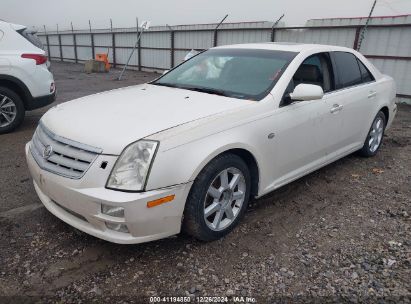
(182, 164)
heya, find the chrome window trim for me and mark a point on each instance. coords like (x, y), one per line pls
(350, 87)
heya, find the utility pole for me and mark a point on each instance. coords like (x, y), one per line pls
(364, 31)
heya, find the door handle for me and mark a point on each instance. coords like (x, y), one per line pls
(336, 108)
(372, 94)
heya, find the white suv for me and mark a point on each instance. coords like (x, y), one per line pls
(25, 81)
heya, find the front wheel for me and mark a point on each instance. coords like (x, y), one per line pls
(218, 198)
(375, 136)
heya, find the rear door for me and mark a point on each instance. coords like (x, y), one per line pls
(350, 103)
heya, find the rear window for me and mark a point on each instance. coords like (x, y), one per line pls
(32, 38)
(365, 73)
(348, 69)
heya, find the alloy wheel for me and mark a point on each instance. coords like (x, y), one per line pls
(224, 199)
(375, 135)
(8, 111)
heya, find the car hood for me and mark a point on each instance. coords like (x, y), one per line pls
(114, 119)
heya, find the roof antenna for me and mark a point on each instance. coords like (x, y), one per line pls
(364, 31)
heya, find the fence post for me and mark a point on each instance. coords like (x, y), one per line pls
(216, 31)
(273, 27)
(113, 43)
(139, 54)
(172, 63)
(215, 38)
(92, 45)
(60, 46)
(114, 48)
(273, 35)
(74, 43)
(92, 41)
(48, 43)
(75, 47)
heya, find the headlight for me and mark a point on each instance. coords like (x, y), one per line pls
(131, 169)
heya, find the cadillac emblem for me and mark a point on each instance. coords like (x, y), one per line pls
(47, 152)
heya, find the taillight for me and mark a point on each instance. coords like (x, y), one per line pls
(40, 59)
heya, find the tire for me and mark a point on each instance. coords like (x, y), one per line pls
(203, 195)
(10, 116)
(375, 136)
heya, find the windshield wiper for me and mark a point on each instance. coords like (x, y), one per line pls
(207, 90)
(196, 89)
(164, 84)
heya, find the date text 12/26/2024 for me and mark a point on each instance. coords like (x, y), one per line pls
(203, 299)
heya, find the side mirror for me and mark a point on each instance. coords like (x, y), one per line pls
(165, 72)
(304, 92)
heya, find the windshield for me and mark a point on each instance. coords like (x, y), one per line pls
(238, 73)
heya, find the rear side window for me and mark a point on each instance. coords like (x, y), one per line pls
(365, 73)
(348, 69)
(32, 38)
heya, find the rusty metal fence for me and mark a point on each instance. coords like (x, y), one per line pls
(388, 46)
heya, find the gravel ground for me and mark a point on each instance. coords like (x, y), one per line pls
(339, 234)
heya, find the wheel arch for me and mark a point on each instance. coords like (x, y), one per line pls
(386, 112)
(245, 154)
(17, 86)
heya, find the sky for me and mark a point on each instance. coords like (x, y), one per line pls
(174, 12)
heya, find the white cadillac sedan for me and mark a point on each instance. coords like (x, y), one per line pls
(189, 150)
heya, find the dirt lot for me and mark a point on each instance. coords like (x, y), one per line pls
(342, 232)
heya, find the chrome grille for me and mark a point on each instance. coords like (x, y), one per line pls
(60, 155)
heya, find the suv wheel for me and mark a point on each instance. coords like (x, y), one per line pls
(11, 110)
(218, 198)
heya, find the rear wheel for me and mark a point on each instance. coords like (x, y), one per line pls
(375, 136)
(11, 110)
(218, 198)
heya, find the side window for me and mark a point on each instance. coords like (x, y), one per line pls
(365, 73)
(317, 70)
(348, 69)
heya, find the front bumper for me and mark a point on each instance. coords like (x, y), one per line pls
(78, 203)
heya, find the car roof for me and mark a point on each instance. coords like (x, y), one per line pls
(16, 27)
(286, 46)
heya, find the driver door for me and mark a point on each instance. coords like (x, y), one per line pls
(301, 141)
